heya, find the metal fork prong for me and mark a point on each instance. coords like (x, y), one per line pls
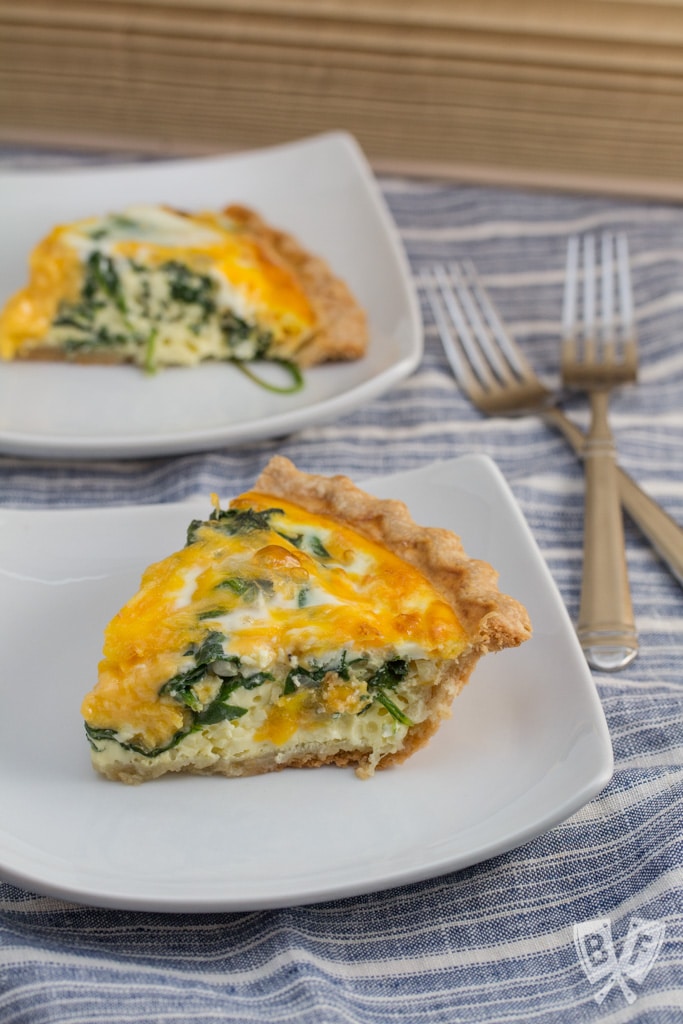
(626, 296)
(571, 289)
(464, 377)
(461, 314)
(590, 326)
(507, 360)
(609, 335)
(607, 301)
(489, 364)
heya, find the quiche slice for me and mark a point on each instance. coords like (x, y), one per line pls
(158, 287)
(309, 623)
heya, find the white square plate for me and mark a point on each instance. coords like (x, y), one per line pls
(321, 190)
(527, 744)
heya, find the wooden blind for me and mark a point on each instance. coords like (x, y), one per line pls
(586, 94)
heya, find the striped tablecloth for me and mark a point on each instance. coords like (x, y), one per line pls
(495, 942)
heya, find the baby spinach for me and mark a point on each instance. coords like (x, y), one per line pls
(237, 332)
(190, 288)
(388, 677)
(247, 589)
(301, 541)
(296, 539)
(318, 548)
(290, 368)
(181, 687)
(208, 650)
(313, 676)
(233, 521)
(97, 735)
(218, 712)
(394, 711)
(102, 275)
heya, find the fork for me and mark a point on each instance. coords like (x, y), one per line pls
(468, 323)
(599, 354)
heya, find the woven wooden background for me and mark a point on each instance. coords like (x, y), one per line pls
(586, 94)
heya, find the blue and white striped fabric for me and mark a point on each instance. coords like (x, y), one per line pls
(495, 942)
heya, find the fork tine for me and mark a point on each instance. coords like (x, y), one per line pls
(461, 371)
(607, 302)
(602, 333)
(506, 359)
(625, 288)
(466, 319)
(589, 298)
(487, 364)
(628, 320)
(571, 288)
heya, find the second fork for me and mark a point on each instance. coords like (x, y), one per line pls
(598, 354)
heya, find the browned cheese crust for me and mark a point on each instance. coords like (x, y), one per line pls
(493, 620)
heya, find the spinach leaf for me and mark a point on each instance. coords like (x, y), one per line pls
(318, 548)
(251, 682)
(237, 331)
(210, 649)
(313, 676)
(296, 539)
(312, 542)
(102, 275)
(385, 678)
(192, 531)
(233, 521)
(97, 735)
(247, 589)
(389, 675)
(190, 288)
(181, 687)
(394, 711)
(295, 374)
(150, 350)
(307, 677)
(217, 712)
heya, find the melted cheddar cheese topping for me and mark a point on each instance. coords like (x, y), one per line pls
(265, 598)
(157, 287)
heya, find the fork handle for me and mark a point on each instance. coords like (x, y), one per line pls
(606, 626)
(663, 532)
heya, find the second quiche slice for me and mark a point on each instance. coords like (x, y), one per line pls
(308, 623)
(157, 287)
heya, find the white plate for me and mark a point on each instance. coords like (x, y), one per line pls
(320, 189)
(526, 747)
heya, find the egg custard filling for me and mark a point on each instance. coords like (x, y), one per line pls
(158, 287)
(297, 627)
